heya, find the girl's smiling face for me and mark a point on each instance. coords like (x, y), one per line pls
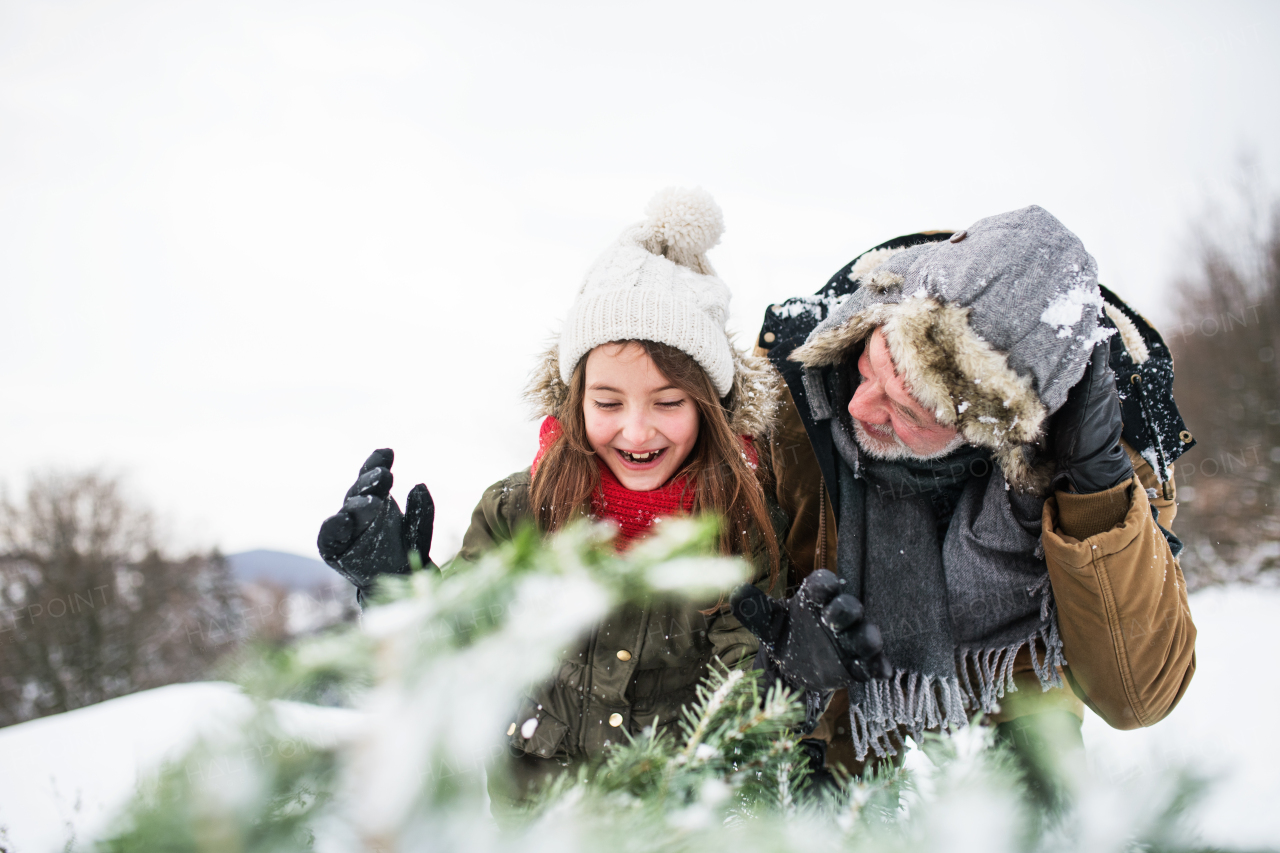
(638, 423)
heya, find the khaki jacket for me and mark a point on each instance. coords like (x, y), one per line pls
(1126, 628)
(636, 669)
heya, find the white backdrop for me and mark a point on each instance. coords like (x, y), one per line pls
(242, 243)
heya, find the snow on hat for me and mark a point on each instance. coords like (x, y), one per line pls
(655, 284)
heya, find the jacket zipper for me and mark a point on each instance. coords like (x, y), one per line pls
(821, 561)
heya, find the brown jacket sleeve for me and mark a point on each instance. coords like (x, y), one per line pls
(810, 543)
(1126, 628)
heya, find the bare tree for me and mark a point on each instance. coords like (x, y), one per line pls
(1228, 389)
(90, 608)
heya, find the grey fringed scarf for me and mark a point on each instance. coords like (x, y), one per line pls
(956, 583)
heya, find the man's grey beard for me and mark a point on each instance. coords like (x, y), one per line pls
(874, 444)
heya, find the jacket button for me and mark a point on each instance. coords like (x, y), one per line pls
(615, 720)
(770, 337)
(623, 654)
(511, 729)
(958, 236)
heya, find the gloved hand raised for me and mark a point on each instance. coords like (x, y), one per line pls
(817, 638)
(369, 536)
(1086, 431)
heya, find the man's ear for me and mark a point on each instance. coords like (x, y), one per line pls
(851, 356)
(847, 377)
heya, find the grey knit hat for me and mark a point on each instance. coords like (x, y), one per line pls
(989, 329)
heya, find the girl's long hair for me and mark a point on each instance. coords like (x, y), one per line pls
(568, 474)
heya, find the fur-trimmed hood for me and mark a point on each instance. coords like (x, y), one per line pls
(990, 329)
(751, 404)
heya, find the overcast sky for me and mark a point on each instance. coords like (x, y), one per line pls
(242, 244)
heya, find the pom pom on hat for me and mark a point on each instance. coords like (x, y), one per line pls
(685, 219)
(655, 284)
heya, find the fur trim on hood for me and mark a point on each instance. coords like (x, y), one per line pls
(751, 405)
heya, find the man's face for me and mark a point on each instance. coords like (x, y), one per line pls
(887, 420)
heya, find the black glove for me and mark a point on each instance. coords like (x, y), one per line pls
(1086, 431)
(369, 536)
(817, 638)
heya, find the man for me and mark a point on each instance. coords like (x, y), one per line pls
(955, 452)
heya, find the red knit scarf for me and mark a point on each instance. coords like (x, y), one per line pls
(633, 512)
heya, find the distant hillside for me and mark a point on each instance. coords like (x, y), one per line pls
(290, 571)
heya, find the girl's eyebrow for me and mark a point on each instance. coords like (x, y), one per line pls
(599, 387)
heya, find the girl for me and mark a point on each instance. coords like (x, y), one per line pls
(649, 412)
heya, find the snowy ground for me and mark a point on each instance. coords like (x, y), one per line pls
(1223, 725)
(64, 776)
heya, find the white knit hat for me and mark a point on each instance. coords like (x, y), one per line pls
(655, 284)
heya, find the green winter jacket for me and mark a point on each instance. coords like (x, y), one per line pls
(635, 669)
